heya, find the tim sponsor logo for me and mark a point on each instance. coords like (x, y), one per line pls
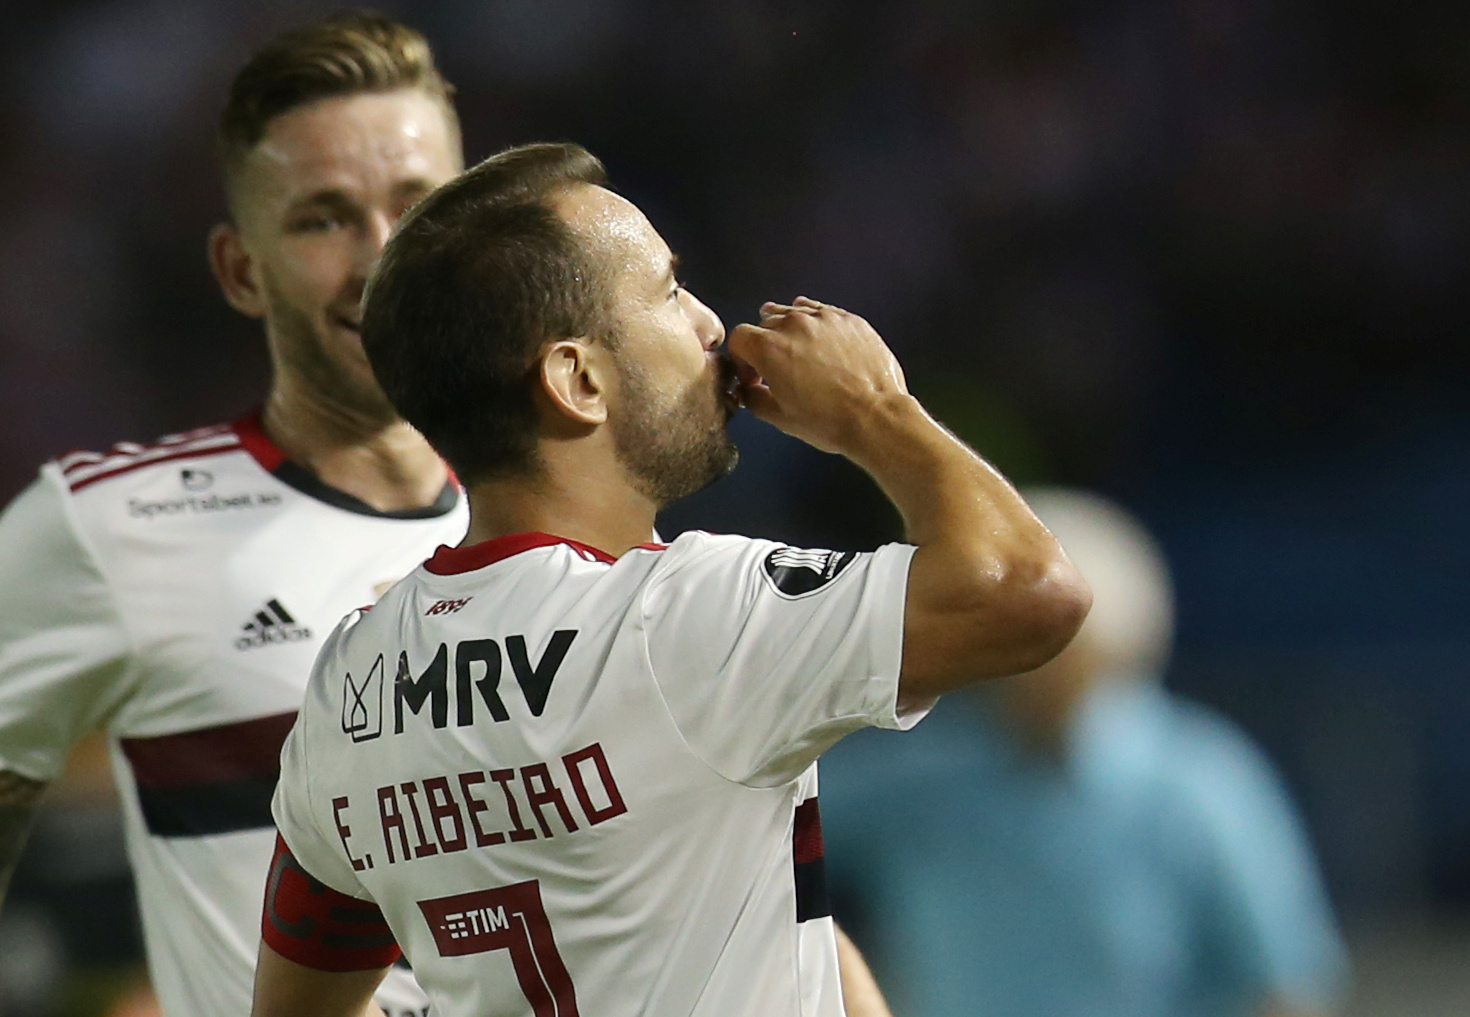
(514, 919)
(475, 922)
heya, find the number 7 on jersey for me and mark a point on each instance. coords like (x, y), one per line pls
(507, 918)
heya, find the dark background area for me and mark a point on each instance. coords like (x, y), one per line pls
(1206, 256)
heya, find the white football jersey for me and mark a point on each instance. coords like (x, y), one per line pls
(175, 595)
(578, 785)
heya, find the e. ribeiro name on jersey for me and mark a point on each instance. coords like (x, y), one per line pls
(562, 782)
(175, 594)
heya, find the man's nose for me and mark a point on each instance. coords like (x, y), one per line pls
(707, 324)
(377, 227)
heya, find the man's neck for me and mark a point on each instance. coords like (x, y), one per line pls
(384, 463)
(604, 512)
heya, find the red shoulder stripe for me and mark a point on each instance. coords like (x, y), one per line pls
(124, 449)
(82, 474)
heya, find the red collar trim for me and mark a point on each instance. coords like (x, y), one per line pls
(253, 437)
(449, 561)
(251, 432)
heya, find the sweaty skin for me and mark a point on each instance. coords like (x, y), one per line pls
(990, 591)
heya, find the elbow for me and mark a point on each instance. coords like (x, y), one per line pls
(1053, 607)
(1033, 610)
(982, 616)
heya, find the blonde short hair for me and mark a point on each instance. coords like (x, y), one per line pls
(348, 53)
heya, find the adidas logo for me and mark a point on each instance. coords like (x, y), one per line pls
(271, 624)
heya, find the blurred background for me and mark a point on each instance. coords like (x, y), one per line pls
(1208, 257)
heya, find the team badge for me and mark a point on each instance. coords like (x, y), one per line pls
(795, 571)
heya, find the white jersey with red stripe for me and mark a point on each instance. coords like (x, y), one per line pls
(174, 596)
(572, 784)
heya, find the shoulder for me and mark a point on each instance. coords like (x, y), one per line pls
(782, 569)
(82, 469)
(200, 477)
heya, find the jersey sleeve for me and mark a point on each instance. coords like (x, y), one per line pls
(316, 910)
(308, 922)
(63, 644)
(767, 654)
(314, 828)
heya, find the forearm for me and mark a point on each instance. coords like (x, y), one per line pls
(18, 798)
(945, 492)
(990, 590)
(861, 996)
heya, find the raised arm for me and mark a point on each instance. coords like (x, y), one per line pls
(18, 798)
(990, 591)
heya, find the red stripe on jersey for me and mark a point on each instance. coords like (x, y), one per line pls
(251, 748)
(251, 433)
(308, 922)
(806, 834)
(81, 458)
(197, 453)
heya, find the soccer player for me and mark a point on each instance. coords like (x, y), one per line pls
(175, 593)
(569, 770)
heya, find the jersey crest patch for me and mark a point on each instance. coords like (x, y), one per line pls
(795, 571)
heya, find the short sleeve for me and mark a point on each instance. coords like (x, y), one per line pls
(1268, 928)
(767, 654)
(63, 644)
(315, 830)
(316, 911)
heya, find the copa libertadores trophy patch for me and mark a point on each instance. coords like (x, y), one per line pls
(797, 571)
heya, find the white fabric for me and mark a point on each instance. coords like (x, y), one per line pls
(710, 694)
(123, 605)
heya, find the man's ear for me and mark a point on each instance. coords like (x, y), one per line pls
(234, 270)
(574, 379)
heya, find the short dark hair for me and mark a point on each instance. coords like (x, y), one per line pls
(477, 277)
(351, 52)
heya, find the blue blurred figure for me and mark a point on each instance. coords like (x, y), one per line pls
(1078, 842)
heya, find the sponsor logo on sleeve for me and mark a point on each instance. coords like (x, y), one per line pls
(796, 571)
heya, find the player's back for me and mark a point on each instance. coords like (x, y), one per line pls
(534, 797)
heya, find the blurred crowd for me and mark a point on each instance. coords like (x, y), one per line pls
(1206, 256)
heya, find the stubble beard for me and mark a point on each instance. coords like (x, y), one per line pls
(673, 451)
(302, 350)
